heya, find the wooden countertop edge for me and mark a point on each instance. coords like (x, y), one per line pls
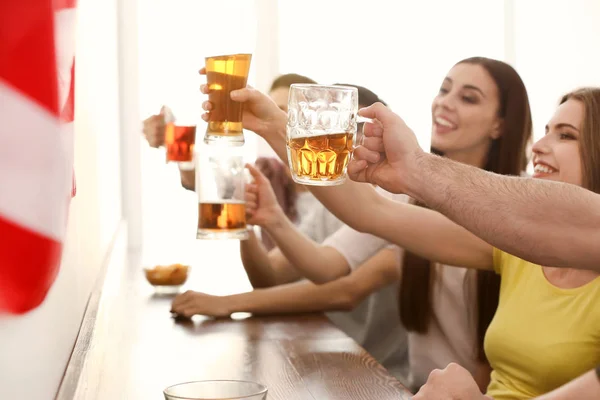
(70, 380)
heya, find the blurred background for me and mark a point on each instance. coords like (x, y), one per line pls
(134, 56)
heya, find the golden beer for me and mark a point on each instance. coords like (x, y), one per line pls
(222, 219)
(223, 75)
(320, 158)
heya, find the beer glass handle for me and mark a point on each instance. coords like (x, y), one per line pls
(360, 134)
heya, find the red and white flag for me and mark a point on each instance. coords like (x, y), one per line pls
(37, 47)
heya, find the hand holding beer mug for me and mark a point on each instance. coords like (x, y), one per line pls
(154, 127)
(321, 132)
(220, 187)
(223, 75)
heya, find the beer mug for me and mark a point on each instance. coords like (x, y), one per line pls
(223, 75)
(180, 138)
(220, 182)
(321, 132)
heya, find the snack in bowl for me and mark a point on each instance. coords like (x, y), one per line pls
(167, 275)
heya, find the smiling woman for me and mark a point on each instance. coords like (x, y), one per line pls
(572, 133)
(481, 93)
(480, 117)
(567, 153)
(589, 143)
(555, 152)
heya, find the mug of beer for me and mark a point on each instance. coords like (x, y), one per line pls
(180, 138)
(223, 75)
(220, 182)
(321, 132)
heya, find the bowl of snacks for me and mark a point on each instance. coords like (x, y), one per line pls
(167, 278)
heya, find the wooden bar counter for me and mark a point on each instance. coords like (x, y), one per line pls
(130, 348)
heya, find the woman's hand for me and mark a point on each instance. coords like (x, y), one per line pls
(193, 303)
(262, 207)
(261, 115)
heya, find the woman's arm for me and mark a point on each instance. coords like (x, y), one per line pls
(265, 268)
(342, 294)
(419, 230)
(315, 262)
(416, 229)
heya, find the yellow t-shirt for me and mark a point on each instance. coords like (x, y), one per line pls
(541, 336)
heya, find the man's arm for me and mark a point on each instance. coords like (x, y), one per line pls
(549, 223)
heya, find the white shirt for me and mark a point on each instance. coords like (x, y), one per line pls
(316, 221)
(451, 336)
(375, 323)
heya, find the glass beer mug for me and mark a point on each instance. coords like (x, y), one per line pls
(321, 132)
(220, 180)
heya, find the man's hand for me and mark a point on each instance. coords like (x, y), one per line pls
(387, 156)
(261, 115)
(193, 303)
(452, 383)
(262, 207)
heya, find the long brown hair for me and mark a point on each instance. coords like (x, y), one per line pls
(508, 156)
(589, 143)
